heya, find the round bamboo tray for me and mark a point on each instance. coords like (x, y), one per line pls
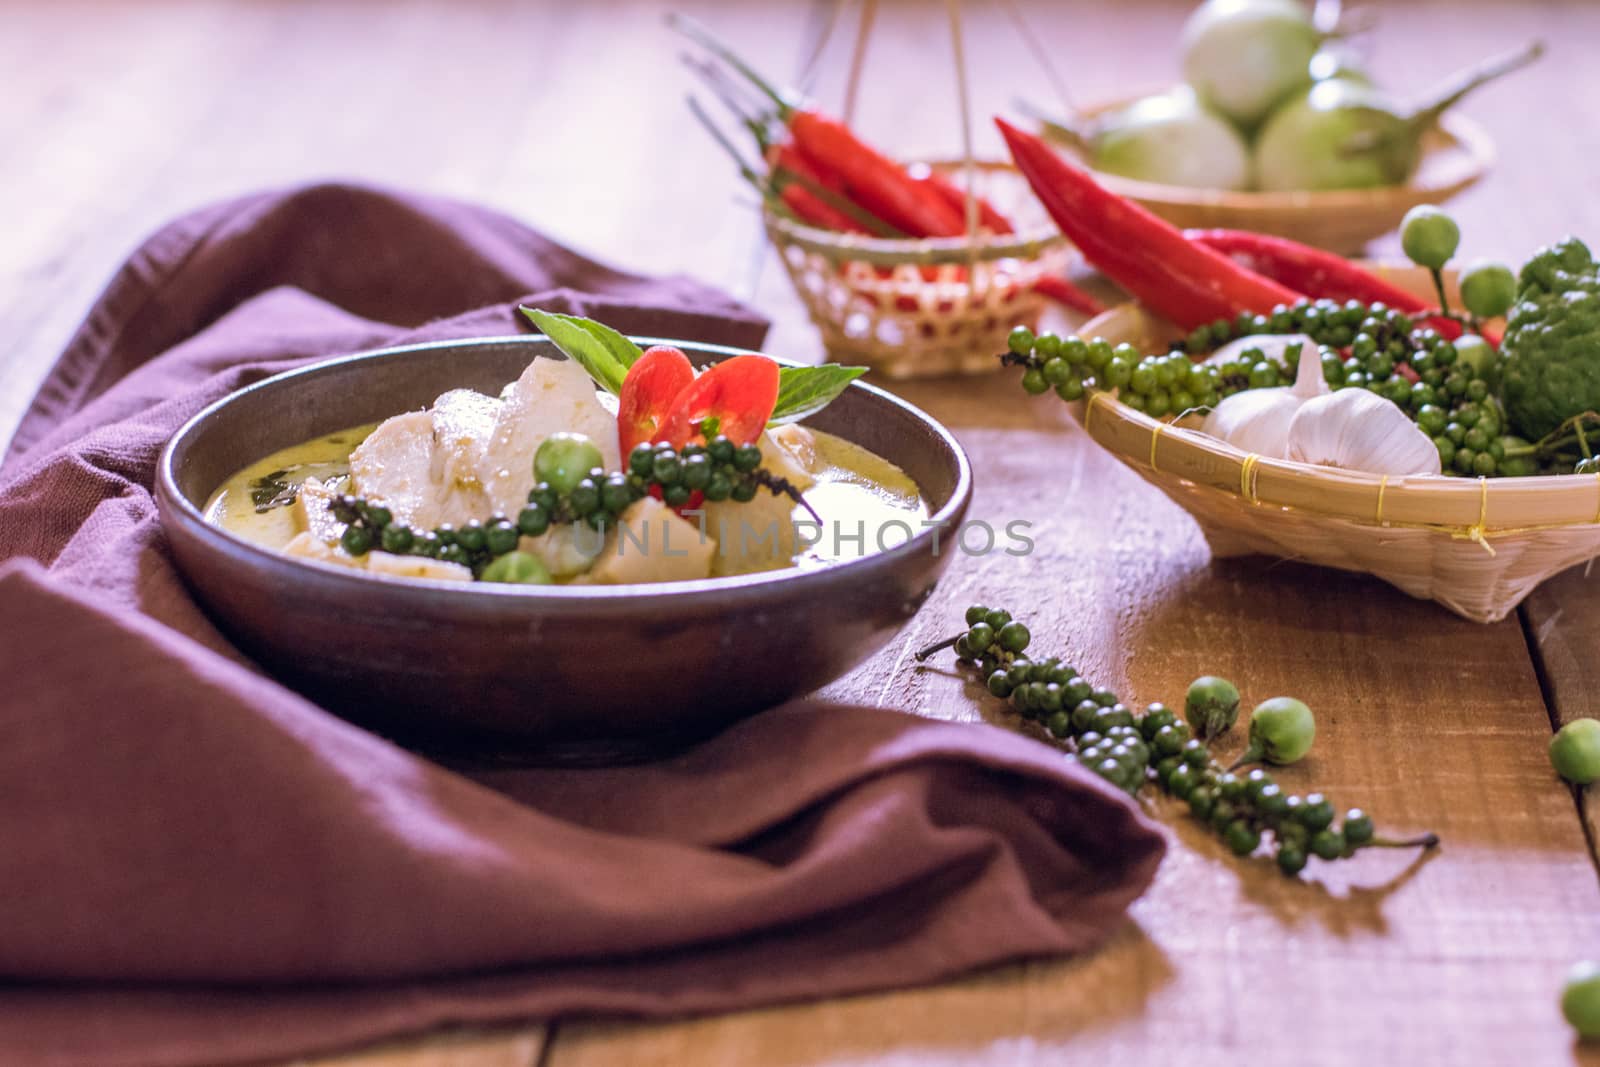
(1456, 155)
(922, 308)
(1475, 545)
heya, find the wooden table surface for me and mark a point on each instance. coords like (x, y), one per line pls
(115, 116)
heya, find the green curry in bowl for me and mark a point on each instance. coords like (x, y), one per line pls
(852, 501)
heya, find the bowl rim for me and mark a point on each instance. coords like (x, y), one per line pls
(176, 508)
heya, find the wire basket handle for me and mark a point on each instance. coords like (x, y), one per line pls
(858, 56)
(969, 164)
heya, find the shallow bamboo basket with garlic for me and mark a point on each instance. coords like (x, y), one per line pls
(1475, 545)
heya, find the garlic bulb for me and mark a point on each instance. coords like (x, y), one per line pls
(1257, 420)
(1360, 431)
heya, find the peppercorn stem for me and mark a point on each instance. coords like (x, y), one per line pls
(1251, 754)
(1427, 840)
(948, 642)
(1438, 285)
(1566, 435)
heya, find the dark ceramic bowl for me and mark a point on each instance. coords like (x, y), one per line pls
(561, 673)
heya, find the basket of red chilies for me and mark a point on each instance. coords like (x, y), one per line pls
(913, 269)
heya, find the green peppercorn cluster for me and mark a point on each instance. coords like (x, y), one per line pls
(369, 526)
(1130, 748)
(1447, 387)
(719, 470)
(1157, 385)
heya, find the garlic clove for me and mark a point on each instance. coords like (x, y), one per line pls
(1257, 420)
(1354, 429)
(1308, 379)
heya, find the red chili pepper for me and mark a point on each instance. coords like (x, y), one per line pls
(788, 157)
(871, 179)
(1318, 274)
(1063, 292)
(1174, 277)
(738, 394)
(989, 216)
(654, 381)
(807, 205)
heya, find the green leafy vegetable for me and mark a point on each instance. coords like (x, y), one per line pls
(598, 349)
(273, 491)
(804, 391)
(619, 346)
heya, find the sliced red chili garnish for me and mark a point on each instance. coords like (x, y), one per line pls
(652, 384)
(734, 398)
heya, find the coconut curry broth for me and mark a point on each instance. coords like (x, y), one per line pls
(866, 503)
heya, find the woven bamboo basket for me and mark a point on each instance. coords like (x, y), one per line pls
(1456, 155)
(921, 308)
(1475, 545)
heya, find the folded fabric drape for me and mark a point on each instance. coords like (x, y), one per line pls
(199, 866)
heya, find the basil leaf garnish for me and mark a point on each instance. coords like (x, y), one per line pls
(804, 391)
(584, 347)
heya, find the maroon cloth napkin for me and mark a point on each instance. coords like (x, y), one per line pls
(199, 866)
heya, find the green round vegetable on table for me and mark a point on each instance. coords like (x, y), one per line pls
(1580, 999)
(1327, 844)
(1013, 637)
(1358, 828)
(1551, 370)
(1244, 56)
(1429, 236)
(980, 637)
(1488, 289)
(1170, 138)
(565, 459)
(1281, 732)
(1241, 838)
(1211, 705)
(1575, 751)
(517, 568)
